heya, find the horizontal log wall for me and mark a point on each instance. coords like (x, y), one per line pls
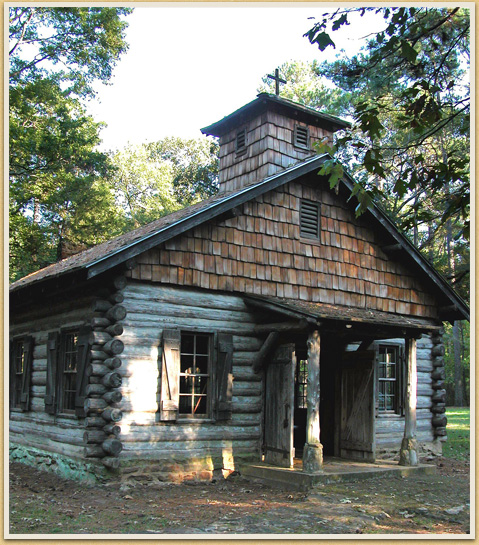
(261, 252)
(36, 428)
(269, 149)
(390, 428)
(150, 310)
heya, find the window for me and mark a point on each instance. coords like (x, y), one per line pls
(301, 137)
(240, 145)
(196, 378)
(21, 357)
(389, 379)
(18, 367)
(309, 216)
(301, 384)
(195, 363)
(68, 354)
(68, 372)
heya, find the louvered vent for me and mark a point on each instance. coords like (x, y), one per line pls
(301, 137)
(309, 219)
(241, 141)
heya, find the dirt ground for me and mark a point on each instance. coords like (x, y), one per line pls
(42, 503)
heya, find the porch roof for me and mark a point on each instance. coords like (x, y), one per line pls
(322, 311)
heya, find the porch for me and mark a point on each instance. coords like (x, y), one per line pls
(334, 470)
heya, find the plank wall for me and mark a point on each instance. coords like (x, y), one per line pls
(62, 434)
(150, 310)
(269, 149)
(261, 252)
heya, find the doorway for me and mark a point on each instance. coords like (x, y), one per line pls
(327, 414)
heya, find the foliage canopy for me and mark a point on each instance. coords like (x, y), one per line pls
(411, 103)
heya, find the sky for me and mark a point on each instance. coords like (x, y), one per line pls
(189, 65)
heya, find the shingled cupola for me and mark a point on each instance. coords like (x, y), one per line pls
(267, 135)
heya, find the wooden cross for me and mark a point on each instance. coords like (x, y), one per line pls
(277, 80)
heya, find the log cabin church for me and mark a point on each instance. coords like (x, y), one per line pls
(267, 323)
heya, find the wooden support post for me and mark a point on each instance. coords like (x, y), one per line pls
(408, 454)
(313, 449)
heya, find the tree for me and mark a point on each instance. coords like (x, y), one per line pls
(305, 85)
(194, 164)
(411, 72)
(410, 140)
(56, 201)
(75, 46)
(143, 185)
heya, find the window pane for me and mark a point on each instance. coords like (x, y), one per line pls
(200, 405)
(201, 365)
(202, 344)
(187, 344)
(390, 388)
(187, 364)
(185, 404)
(391, 370)
(186, 385)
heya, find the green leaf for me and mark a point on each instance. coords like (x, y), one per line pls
(323, 40)
(408, 52)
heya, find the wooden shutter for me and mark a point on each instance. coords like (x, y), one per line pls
(27, 371)
(224, 377)
(52, 364)
(170, 375)
(83, 358)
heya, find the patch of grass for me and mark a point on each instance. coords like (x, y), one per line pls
(458, 433)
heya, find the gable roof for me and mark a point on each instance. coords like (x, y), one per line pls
(104, 256)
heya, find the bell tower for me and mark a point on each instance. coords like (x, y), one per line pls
(266, 136)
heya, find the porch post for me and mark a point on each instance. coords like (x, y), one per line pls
(313, 449)
(408, 454)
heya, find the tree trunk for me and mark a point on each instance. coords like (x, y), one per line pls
(458, 372)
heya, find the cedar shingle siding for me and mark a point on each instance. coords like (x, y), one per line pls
(261, 252)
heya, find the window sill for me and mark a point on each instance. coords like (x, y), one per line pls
(394, 416)
(195, 421)
(67, 416)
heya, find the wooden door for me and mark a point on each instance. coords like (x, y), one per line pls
(279, 406)
(357, 438)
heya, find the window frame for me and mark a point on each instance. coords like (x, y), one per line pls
(301, 383)
(210, 383)
(398, 380)
(60, 393)
(220, 403)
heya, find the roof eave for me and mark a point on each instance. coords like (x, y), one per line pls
(224, 125)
